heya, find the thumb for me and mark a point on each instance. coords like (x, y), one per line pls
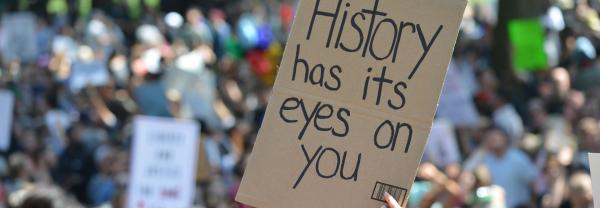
(392, 203)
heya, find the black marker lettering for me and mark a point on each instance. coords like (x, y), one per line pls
(301, 61)
(381, 80)
(377, 28)
(285, 107)
(354, 175)
(366, 85)
(391, 138)
(426, 47)
(336, 77)
(343, 120)
(307, 118)
(309, 161)
(374, 12)
(328, 113)
(398, 92)
(358, 30)
(333, 15)
(399, 37)
(344, 16)
(318, 70)
(337, 165)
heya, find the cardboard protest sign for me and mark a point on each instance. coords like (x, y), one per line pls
(83, 74)
(163, 167)
(594, 159)
(527, 38)
(7, 100)
(352, 104)
(18, 38)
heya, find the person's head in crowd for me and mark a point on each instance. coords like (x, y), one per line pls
(584, 52)
(37, 202)
(29, 142)
(18, 166)
(495, 141)
(498, 99)
(589, 134)
(488, 80)
(580, 187)
(52, 97)
(217, 16)
(149, 35)
(488, 85)
(553, 167)
(574, 103)
(591, 108)
(194, 16)
(105, 158)
(561, 77)
(537, 114)
(73, 135)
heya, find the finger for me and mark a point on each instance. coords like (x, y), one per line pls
(391, 201)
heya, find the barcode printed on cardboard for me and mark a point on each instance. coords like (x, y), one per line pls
(380, 189)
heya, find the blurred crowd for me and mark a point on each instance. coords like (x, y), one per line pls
(520, 142)
(81, 70)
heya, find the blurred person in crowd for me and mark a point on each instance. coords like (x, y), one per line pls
(151, 96)
(37, 202)
(197, 27)
(103, 186)
(56, 119)
(18, 173)
(505, 117)
(510, 168)
(555, 181)
(75, 165)
(580, 187)
(441, 148)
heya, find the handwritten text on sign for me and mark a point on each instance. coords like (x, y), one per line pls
(366, 26)
(353, 102)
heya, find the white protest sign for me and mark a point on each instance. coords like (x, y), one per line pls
(594, 159)
(6, 108)
(456, 103)
(18, 37)
(83, 74)
(163, 167)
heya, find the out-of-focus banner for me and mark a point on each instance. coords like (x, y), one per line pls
(163, 163)
(18, 38)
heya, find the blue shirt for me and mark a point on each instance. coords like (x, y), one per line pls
(152, 99)
(513, 171)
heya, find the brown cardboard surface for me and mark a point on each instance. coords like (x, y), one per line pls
(203, 168)
(342, 129)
